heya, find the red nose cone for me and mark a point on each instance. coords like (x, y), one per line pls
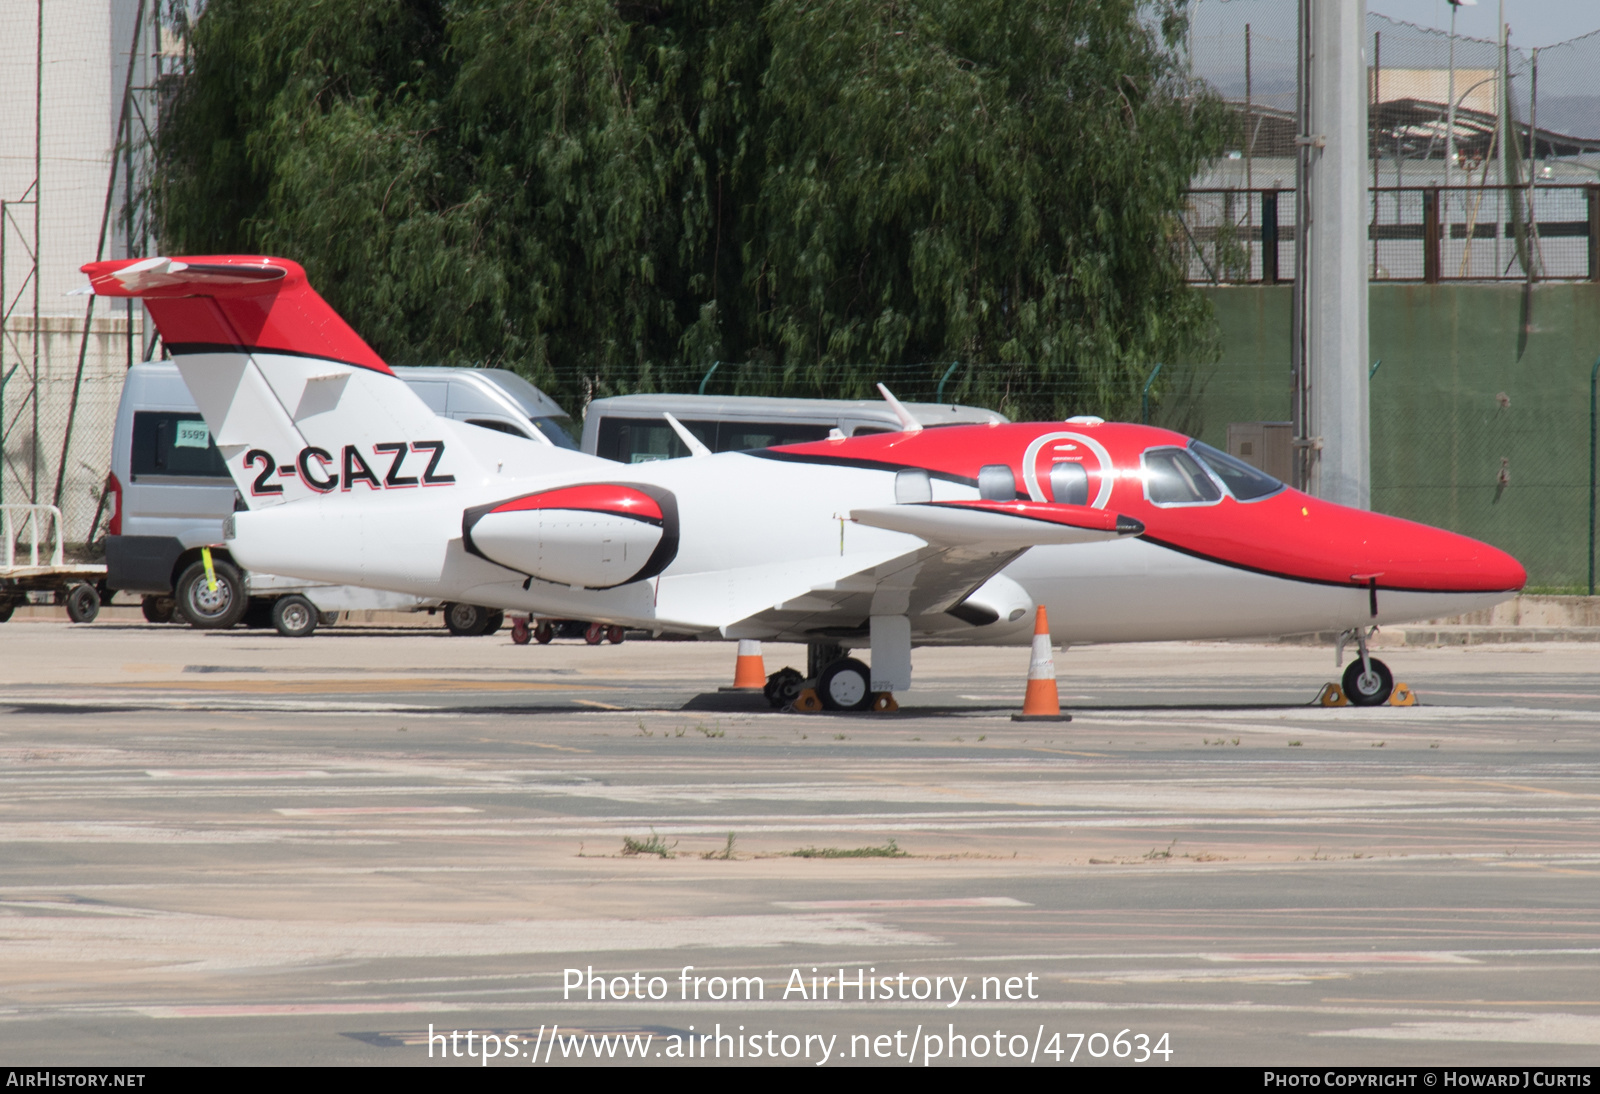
(1415, 556)
(1293, 535)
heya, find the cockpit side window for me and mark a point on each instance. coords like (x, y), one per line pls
(1244, 482)
(1173, 477)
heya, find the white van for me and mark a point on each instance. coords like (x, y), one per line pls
(631, 429)
(169, 492)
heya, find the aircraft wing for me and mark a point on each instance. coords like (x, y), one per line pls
(965, 544)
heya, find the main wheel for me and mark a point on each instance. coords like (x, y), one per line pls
(83, 603)
(544, 632)
(595, 633)
(1368, 689)
(212, 608)
(845, 685)
(157, 609)
(614, 635)
(465, 620)
(783, 687)
(294, 616)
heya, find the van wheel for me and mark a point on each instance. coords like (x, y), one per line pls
(157, 609)
(83, 603)
(294, 616)
(7, 606)
(496, 617)
(208, 608)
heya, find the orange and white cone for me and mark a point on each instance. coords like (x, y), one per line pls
(749, 672)
(1041, 703)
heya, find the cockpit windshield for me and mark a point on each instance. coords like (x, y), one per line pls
(1244, 482)
(1173, 477)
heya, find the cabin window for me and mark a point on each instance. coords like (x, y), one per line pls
(1069, 483)
(1173, 477)
(911, 486)
(997, 483)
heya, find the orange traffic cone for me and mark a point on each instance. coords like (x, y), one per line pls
(1041, 703)
(749, 673)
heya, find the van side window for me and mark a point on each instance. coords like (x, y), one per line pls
(639, 440)
(174, 443)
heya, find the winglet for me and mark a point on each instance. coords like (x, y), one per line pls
(695, 446)
(908, 424)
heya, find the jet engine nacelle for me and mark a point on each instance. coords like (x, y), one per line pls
(594, 536)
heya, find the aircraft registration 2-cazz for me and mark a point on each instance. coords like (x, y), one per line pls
(947, 535)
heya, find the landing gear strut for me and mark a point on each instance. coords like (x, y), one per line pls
(1367, 682)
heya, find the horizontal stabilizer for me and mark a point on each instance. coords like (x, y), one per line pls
(998, 525)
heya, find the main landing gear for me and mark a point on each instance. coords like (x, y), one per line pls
(1367, 682)
(836, 682)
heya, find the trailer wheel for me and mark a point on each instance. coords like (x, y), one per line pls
(294, 616)
(614, 635)
(543, 632)
(83, 603)
(208, 608)
(594, 634)
(157, 609)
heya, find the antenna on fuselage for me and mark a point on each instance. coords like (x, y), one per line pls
(695, 446)
(908, 424)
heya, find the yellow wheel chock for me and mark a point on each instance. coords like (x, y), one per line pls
(807, 702)
(883, 703)
(1332, 695)
(1402, 696)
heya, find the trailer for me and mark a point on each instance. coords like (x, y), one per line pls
(71, 583)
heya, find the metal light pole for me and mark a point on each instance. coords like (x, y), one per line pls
(1330, 322)
(1450, 124)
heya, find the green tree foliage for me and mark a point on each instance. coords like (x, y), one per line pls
(610, 195)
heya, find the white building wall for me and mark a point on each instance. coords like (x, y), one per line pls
(74, 72)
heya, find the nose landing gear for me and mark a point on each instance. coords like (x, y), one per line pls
(1367, 682)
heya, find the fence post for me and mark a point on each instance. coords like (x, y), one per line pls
(1269, 237)
(1592, 193)
(1430, 235)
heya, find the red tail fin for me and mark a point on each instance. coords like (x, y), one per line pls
(232, 303)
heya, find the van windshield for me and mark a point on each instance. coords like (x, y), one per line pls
(561, 430)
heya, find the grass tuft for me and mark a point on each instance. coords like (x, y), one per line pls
(655, 845)
(888, 849)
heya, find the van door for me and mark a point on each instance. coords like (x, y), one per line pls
(176, 475)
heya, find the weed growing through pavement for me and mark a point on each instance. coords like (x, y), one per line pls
(723, 855)
(888, 849)
(1153, 854)
(1294, 744)
(718, 731)
(643, 732)
(655, 845)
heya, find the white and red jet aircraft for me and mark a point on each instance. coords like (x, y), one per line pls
(948, 535)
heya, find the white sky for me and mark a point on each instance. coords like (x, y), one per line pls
(1533, 22)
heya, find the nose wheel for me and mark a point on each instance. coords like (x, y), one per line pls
(1367, 682)
(1368, 685)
